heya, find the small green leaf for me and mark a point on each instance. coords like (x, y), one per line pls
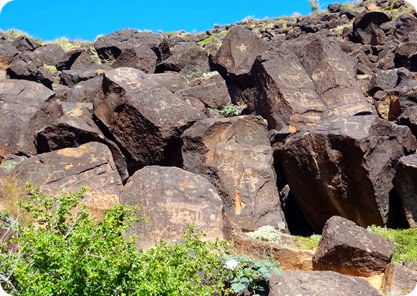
(238, 287)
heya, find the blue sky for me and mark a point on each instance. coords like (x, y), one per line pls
(83, 19)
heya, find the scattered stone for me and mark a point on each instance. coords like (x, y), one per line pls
(399, 280)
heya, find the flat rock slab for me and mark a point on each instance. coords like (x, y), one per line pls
(20, 101)
(67, 170)
(172, 198)
(405, 182)
(345, 167)
(236, 155)
(319, 283)
(350, 249)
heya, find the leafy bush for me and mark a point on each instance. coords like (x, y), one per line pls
(404, 240)
(266, 233)
(308, 243)
(66, 252)
(251, 276)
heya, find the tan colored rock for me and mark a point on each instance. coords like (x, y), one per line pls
(289, 257)
(399, 280)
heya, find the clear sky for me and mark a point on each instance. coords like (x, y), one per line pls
(85, 19)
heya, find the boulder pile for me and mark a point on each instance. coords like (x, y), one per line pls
(305, 123)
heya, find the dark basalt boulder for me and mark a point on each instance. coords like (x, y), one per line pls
(345, 167)
(366, 28)
(236, 56)
(140, 57)
(235, 154)
(109, 47)
(76, 59)
(349, 249)
(172, 198)
(25, 43)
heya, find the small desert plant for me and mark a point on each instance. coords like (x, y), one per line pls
(229, 110)
(307, 243)
(315, 6)
(266, 233)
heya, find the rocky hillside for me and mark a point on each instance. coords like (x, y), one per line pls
(284, 122)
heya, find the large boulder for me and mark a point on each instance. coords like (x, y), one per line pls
(187, 58)
(237, 54)
(236, 155)
(140, 57)
(7, 53)
(67, 170)
(109, 47)
(286, 93)
(399, 280)
(74, 128)
(87, 91)
(212, 92)
(20, 103)
(307, 81)
(319, 283)
(75, 59)
(405, 182)
(349, 249)
(145, 118)
(172, 198)
(345, 167)
(366, 27)
(25, 43)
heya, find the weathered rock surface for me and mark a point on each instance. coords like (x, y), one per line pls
(74, 128)
(405, 183)
(145, 118)
(237, 54)
(140, 57)
(236, 155)
(68, 170)
(350, 249)
(20, 103)
(366, 28)
(319, 283)
(172, 198)
(399, 280)
(109, 47)
(212, 92)
(75, 59)
(345, 167)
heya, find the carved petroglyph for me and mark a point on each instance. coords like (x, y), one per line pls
(296, 80)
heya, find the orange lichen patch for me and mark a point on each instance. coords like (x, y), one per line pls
(76, 112)
(292, 129)
(74, 152)
(238, 203)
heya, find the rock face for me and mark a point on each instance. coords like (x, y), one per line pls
(236, 155)
(68, 170)
(306, 82)
(145, 118)
(74, 128)
(350, 249)
(236, 55)
(399, 280)
(172, 198)
(319, 283)
(20, 101)
(405, 183)
(351, 164)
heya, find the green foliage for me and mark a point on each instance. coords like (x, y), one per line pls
(308, 243)
(315, 6)
(66, 252)
(212, 37)
(404, 240)
(266, 233)
(229, 111)
(251, 275)
(50, 68)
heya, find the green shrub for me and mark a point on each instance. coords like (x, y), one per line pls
(266, 233)
(308, 243)
(229, 111)
(404, 240)
(315, 6)
(66, 252)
